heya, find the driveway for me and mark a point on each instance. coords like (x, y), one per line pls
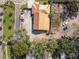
(30, 3)
(27, 22)
(17, 14)
(28, 19)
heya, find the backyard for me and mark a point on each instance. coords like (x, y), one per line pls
(9, 19)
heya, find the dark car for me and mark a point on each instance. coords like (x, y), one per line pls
(0, 28)
(22, 20)
(0, 19)
(1, 14)
(0, 42)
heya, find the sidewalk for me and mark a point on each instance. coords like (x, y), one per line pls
(1, 53)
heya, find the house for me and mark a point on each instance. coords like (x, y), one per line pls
(40, 16)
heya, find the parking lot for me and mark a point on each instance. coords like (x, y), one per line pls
(1, 21)
(1, 31)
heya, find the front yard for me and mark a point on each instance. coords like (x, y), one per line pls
(9, 19)
(42, 1)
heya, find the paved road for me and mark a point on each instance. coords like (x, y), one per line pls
(1, 22)
(1, 53)
(2, 1)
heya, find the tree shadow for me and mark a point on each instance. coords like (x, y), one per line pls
(65, 14)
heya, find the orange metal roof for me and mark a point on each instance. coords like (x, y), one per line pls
(41, 20)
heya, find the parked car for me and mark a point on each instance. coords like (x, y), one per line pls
(1, 13)
(0, 42)
(0, 28)
(0, 19)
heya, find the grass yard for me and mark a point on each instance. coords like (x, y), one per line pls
(24, 7)
(9, 19)
(4, 53)
(43, 1)
(9, 52)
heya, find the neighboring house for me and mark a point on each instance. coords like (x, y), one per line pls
(40, 16)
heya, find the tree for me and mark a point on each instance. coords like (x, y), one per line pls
(38, 48)
(71, 8)
(21, 47)
(10, 4)
(55, 19)
(42, 48)
(67, 46)
(10, 14)
(10, 27)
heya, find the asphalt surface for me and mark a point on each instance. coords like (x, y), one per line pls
(1, 22)
(2, 1)
(1, 53)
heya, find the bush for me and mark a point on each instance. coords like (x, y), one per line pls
(10, 14)
(10, 27)
(20, 48)
(55, 19)
(39, 48)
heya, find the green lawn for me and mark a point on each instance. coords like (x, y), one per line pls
(9, 19)
(24, 7)
(9, 52)
(4, 53)
(42, 1)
